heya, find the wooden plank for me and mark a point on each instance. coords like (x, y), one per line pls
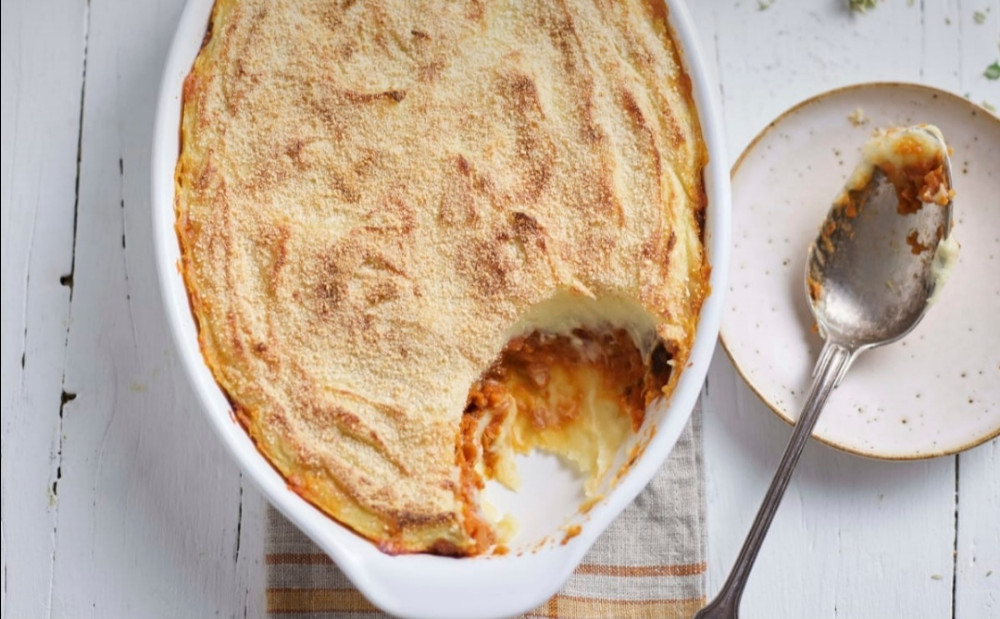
(250, 568)
(958, 48)
(952, 30)
(844, 538)
(771, 59)
(977, 545)
(846, 531)
(151, 514)
(3, 563)
(41, 85)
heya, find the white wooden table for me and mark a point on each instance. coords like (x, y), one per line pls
(119, 502)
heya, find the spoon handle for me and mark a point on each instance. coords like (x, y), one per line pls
(830, 367)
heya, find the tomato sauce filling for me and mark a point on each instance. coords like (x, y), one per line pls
(578, 395)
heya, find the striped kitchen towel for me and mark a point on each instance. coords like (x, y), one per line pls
(650, 563)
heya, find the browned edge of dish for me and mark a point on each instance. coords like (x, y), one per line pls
(935, 92)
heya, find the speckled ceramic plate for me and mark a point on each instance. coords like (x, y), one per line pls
(937, 391)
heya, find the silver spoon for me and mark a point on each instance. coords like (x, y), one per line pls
(867, 286)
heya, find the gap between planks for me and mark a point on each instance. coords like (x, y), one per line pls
(67, 280)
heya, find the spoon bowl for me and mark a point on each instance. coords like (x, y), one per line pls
(869, 273)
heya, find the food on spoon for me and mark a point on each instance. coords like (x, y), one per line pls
(419, 238)
(913, 159)
(942, 265)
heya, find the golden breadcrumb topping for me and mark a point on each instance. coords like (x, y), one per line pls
(371, 196)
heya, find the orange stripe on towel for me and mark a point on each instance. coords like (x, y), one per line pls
(573, 607)
(317, 601)
(292, 558)
(632, 571)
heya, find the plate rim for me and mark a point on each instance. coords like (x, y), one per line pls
(751, 145)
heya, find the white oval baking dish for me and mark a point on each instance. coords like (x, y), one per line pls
(431, 586)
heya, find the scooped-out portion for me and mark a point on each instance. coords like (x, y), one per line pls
(575, 380)
(579, 395)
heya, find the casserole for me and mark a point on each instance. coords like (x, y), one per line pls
(431, 586)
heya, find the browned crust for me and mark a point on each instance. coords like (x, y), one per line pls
(378, 464)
